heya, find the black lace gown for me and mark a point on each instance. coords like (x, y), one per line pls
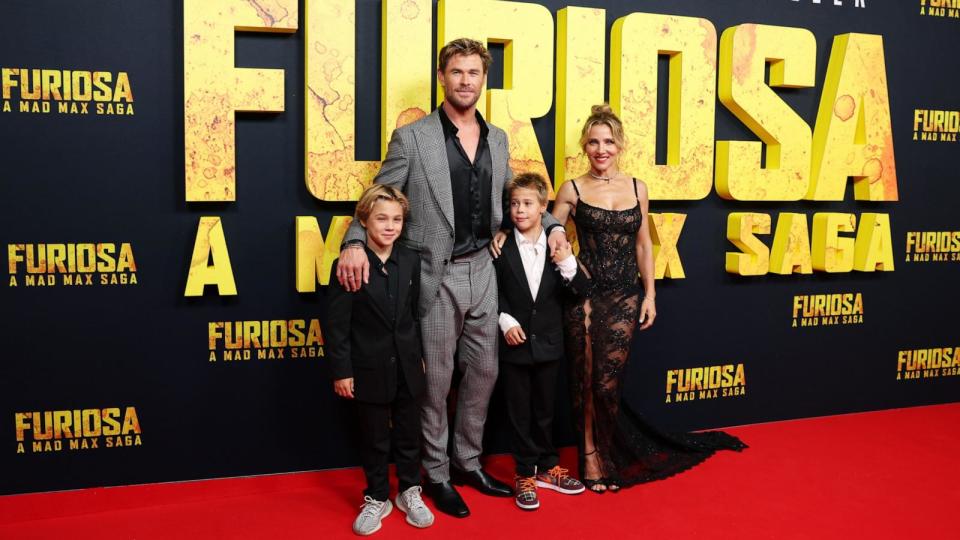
(600, 328)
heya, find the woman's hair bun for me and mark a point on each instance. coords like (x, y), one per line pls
(603, 108)
(603, 115)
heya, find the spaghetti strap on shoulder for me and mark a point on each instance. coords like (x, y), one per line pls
(635, 194)
(577, 190)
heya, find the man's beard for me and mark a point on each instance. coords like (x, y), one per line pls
(454, 99)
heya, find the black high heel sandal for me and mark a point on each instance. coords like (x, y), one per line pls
(595, 483)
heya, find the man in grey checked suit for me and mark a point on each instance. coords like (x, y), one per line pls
(453, 167)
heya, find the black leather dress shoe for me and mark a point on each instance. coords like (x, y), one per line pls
(446, 498)
(481, 481)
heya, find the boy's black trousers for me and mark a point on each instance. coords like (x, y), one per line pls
(530, 394)
(376, 435)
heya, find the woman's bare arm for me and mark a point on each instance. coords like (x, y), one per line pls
(648, 310)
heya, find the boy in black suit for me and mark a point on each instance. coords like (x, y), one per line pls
(532, 344)
(373, 345)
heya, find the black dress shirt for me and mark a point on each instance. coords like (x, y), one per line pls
(384, 282)
(471, 183)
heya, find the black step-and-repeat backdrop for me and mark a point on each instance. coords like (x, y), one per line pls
(176, 178)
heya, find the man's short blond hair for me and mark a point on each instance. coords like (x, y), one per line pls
(465, 47)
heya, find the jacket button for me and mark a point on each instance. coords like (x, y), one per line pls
(533, 312)
(393, 359)
(445, 261)
(533, 336)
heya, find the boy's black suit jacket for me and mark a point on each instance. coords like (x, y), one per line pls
(361, 341)
(541, 318)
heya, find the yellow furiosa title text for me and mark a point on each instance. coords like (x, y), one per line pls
(850, 140)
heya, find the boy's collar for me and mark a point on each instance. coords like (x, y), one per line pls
(372, 255)
(522, 238)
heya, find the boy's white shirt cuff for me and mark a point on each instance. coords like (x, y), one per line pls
(507, 322)
(568, 267)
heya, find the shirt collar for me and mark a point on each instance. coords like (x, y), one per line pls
(522, 241)
(450, 130)
(375, 260)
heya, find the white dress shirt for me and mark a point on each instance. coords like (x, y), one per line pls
(534, 256)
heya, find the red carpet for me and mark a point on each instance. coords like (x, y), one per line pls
(889, 474)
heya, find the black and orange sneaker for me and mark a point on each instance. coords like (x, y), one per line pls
(557, 479)
(526, 490)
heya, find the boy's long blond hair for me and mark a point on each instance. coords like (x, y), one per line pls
(379, 192)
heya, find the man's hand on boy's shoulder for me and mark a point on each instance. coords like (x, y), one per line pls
(353, 267)
(496, 245)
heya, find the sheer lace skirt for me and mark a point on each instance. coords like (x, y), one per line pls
(629, 450)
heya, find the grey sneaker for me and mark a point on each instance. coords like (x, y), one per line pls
(410, 503)
(371, 514)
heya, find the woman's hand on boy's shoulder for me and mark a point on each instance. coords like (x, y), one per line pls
(344, 387)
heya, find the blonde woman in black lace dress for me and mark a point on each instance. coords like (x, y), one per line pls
(609, 208)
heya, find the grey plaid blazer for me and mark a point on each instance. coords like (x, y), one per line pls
(416, 163)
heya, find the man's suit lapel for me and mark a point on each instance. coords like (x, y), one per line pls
(498, 159)
(433, 154)
(512, 253)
